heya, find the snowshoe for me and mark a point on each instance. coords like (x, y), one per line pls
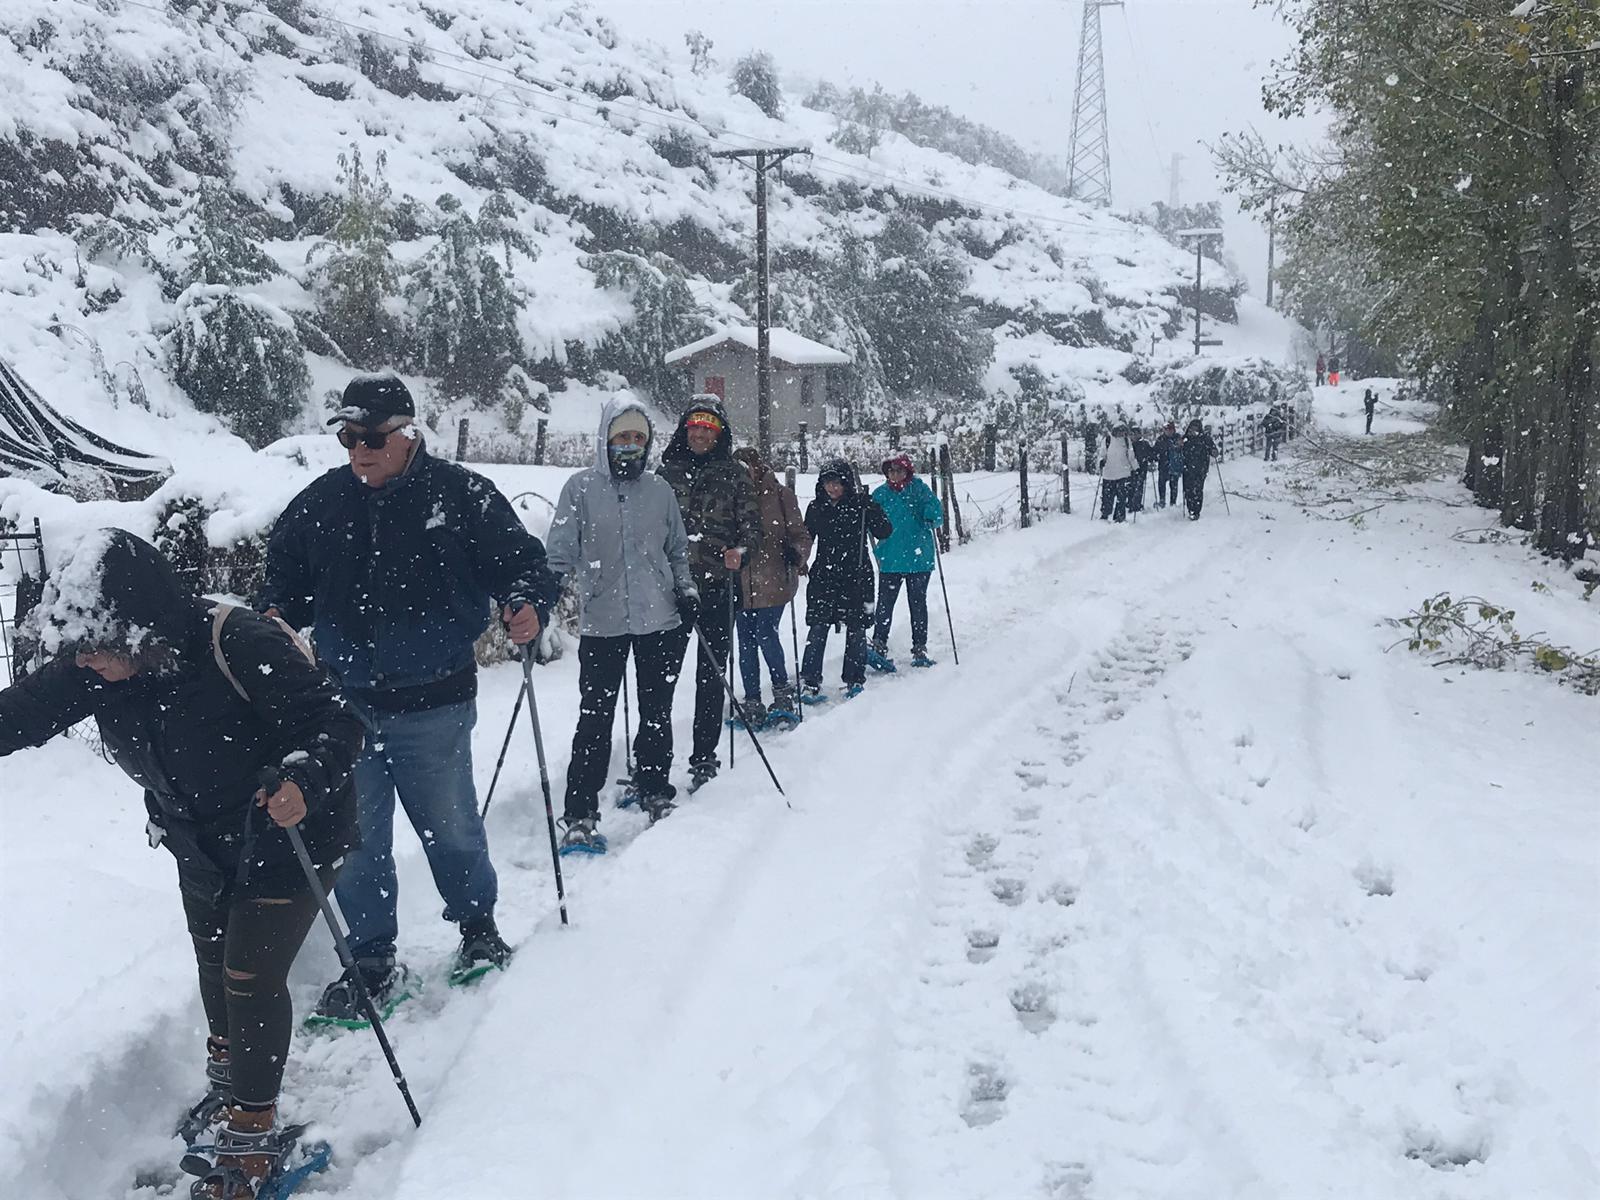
(701, 774)
(755, 713)
(482, 950)
(785, 711)
(854, 690)
(655, 805)
(919, 658)
(390, 985)
(251, 1160)
(812, 693)
(212, 1108)
(582, 837)
(878, 659)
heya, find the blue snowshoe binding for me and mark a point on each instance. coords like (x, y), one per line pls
(583, 836)
(812, 693)
(919, 658)
(878, 659)
(222, 1170)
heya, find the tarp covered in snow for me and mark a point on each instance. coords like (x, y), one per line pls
(38, 443)
(786, 346)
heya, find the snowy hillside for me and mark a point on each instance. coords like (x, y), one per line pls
(148, 152)
(1181, 886)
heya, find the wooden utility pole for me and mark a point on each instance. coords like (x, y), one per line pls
(1272, 230)
(764, 159)
(1199, 236)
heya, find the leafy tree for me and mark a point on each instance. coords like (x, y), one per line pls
(755, 77)
(461, 319)
(354, 276)
(699, 51)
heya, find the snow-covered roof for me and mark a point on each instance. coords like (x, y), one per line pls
(785, 346)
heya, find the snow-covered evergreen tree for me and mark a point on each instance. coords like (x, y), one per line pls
(461, 320)
(231, 351)
(665, 316)
(353, 275)
(755, 77)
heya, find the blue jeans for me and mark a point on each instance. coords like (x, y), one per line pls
(916, 585)
(758, 638)
(427, 758)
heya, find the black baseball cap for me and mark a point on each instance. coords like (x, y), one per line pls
(370, 400)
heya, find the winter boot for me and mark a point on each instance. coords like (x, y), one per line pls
(655, 805)
(755, 713)
(388, 984)
(482, 950)
(812, 693)
(582, 836)
(919, 657)
(702, 773)
(785, 708)
(212, 1108)
(248, 1152)
(852, 690)
(878, 658)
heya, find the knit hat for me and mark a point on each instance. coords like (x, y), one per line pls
(704, 418)
(370, 400)
(630, 420)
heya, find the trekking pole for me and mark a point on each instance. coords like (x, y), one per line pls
(544, 780)
(948, 620)
(738, 710)
(516, 709)
(269, 781)
(1218, 468)
(732, 739)
(627, 726)
(794, 637)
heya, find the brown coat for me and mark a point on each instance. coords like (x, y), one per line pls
(769, 578)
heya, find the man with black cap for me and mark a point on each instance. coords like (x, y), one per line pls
(394, 562)
(723, 517)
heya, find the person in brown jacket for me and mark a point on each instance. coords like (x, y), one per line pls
(767, 583)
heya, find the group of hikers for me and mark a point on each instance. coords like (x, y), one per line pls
(253, 749)
(1127, 457)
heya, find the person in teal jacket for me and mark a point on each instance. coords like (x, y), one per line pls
(904, 558)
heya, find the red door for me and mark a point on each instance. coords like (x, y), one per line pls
(717, 385)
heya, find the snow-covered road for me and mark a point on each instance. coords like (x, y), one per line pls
(1178, 886)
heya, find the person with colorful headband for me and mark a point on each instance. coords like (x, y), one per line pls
(905, 558)
(723, 519)
(394, 561)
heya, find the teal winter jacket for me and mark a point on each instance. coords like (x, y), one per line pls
(915, 512)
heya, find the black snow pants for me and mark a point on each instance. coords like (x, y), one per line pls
(657, 659)
(708, 686)
(1194, 490)
(244, 947)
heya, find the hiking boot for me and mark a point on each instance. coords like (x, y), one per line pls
(755, 713)
(386, 982)
(785, 699)
(878, 658)
(656, 805)
(482, 950)
(919, 657)
(248, 1148)
(212, 1108)
(702, 773)
(582, 836)
(812, 693)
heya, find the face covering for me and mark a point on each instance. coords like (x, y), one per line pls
(627, 462)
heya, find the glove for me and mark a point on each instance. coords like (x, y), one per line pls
(688, 607)
(790, 558)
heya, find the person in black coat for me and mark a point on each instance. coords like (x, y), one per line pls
(1144, 456)
(399, 562)
(1198, 450)
(842, 589)
(1369, 401)
(1169, 465)
(202, 705)
(1272, 427)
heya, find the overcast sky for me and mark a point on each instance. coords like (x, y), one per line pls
(1178, 72)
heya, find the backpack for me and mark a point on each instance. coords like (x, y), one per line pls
(219, 616)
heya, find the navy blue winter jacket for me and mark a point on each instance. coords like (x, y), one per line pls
(398, 580)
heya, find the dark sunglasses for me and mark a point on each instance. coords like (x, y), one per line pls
(372, 439)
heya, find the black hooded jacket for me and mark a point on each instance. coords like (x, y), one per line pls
(181, 731)
(720, 508)
(842, 587)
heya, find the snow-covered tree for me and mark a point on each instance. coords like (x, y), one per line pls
(755, 77)
(462, 305)
(665, 316)
(699, 51)
(233, 353)
(353, 272)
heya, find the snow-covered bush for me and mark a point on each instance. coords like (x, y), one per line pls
(353, 271)
(1228, 382)
(239, 357)
(665, 316)
(755, 77)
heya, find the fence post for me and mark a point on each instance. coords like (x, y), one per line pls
(988, 447)
(805, 462)
(1091, 449)
(894, 436)
(539, 442)
(1066, 491)
(788, 477)
(461, 440)
(1022, 471)
(953, 505)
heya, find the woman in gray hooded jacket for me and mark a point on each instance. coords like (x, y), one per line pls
(618, 539)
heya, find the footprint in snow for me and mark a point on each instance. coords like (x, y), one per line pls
(1376, 880)
(1067, 1181)
(1442, 1153)
(1063, 894)
(982, 944)
(980, 849)
(1031, 1000)
(987, 1089)
(1010, 892)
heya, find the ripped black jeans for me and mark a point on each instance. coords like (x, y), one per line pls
(244, 946)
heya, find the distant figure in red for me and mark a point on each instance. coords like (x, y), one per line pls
(1322, 369)
(1333, 370)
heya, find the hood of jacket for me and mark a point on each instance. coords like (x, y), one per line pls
(678, 447)
(839, 467)
(114, 592)
(609, 412)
